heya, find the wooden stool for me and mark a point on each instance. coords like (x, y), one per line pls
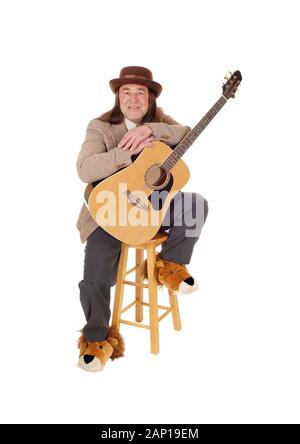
(152, 289)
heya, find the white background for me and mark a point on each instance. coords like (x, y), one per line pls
(236, 359)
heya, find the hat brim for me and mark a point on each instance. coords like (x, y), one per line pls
(116, 83)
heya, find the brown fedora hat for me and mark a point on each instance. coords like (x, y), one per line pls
(136, 74)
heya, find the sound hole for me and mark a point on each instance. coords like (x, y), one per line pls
(156, 176)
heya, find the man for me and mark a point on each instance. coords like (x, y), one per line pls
(113, 141)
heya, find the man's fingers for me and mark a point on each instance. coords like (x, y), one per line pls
(123, 141)
(137, 149)
(133, 141)
(138, 141)
(128, 144)
(128, 136)
(150, 139)
(140, 132)
(141, 142)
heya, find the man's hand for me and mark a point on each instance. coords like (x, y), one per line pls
(142, 145)
(135, 138)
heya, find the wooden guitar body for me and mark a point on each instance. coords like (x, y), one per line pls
(132, 203)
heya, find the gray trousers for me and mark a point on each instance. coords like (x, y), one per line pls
(184, 220)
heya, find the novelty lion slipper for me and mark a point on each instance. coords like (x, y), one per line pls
(172, 275)
(94, 355)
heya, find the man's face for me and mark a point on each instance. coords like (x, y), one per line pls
(134, 101)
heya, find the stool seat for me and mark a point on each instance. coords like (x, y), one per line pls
(138, 302)
(157, 240)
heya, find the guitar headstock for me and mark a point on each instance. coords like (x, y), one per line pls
(231, 86)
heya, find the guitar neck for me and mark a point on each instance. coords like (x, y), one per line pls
(190, 138)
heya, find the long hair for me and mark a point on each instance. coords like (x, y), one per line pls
(115, 115)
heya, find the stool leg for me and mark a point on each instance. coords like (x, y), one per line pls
(120, 287)
(175, 310)
(139, 257)
(153, 305)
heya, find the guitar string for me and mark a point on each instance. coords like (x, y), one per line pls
(206, 119)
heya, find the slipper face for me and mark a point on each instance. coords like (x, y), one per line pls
(175, 276)
(90, 363)
(93, 355)
(188, 287)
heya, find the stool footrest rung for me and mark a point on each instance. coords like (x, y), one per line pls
(135, 324)
(163, 307)
(165, 314)
(159, 306)
(131, 270)
(135, 284)
(128, 306)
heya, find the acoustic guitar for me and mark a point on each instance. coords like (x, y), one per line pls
(131, 204)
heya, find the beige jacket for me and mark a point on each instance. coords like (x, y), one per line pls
(99, 157)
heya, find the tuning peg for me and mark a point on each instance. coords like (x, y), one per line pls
(228, 75)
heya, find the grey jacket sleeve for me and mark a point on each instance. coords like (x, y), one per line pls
(94, 162)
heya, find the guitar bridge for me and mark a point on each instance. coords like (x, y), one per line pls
(134, 200)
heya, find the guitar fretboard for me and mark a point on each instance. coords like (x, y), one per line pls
(190, 138)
